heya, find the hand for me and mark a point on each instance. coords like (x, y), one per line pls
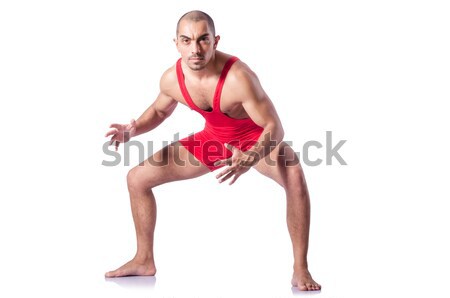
(239, 163)
(121, 133)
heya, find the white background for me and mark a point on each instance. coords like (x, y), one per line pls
(375, 73)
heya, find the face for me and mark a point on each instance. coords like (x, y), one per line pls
(196, 43)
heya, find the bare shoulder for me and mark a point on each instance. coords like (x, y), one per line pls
(169, 81)
(244, 81)
(241, 71)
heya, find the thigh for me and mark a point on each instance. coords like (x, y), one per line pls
(172, 163)
(281, 165)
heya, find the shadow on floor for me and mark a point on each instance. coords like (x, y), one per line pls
(142, 282)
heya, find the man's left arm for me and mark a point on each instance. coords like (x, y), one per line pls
(261, 110)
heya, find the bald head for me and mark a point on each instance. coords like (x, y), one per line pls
(196, 16)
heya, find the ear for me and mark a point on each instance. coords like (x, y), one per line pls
(216, 41)
(175, 41)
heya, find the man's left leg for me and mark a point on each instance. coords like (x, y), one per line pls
(283, 166)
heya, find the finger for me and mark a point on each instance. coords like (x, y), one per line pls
(133, 122)
(228, 176)
(228, 146)
(115, 125)
(235, 177)
(117, 145)
(223, 162)
(113, 139)
(224, 172)
(219, 162)
(111, 132)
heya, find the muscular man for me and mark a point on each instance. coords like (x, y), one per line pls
(242, 131)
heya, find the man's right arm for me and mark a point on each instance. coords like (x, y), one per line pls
(160, 109)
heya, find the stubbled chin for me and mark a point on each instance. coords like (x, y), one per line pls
(196, 66)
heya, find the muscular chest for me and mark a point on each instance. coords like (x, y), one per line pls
(202, 93)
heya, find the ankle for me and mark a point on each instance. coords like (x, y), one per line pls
(300, 266)
(143, 258)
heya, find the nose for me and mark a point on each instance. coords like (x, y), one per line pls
(195, 48)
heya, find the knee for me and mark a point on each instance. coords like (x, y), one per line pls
(136, 182)
(296, 180)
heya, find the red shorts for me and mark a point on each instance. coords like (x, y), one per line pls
(208, 146)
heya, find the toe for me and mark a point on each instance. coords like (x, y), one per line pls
(302, 287)
(111, 274)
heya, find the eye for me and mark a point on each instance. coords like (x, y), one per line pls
(204, 39)
(185, 41)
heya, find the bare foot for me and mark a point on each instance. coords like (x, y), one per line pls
(303, 281)
(134, 267)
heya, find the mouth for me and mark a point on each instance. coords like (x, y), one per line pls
(196, 58)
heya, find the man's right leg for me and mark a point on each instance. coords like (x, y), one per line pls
(172, 163)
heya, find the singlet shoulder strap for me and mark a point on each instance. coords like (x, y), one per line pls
(182, 84)
(223, 75)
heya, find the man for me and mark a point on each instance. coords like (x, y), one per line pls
(242, 131)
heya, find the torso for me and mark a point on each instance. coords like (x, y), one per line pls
(202, 91)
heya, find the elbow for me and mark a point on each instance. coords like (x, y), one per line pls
(281, 133)
(276, 132)
(160, 114)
